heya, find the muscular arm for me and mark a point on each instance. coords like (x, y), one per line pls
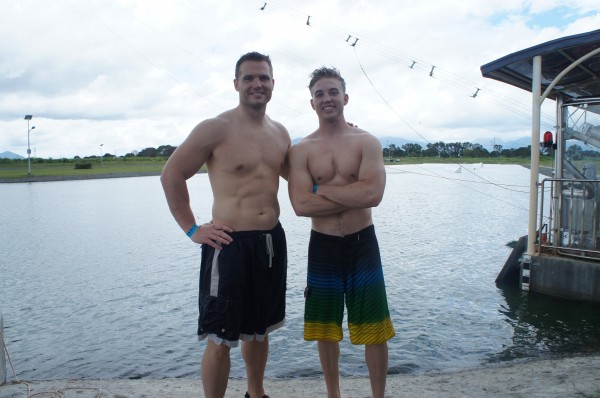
(300, 186)
(367, 190)
(285, 170)
(182, 165)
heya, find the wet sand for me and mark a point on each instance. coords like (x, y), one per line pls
(566, 377)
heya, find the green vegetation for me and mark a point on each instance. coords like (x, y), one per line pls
(17, 168)
(150, 161)
(73, 168)
(82, 166)
(466, 152)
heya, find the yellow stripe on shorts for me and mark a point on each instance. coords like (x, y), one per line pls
(322, 331)
(371, 333)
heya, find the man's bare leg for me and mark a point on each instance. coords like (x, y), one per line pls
(255, 354)
(376, 357)
(329, 354)
(215, 369)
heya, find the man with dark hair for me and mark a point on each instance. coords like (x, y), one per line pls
(244, 255)
(336, 176)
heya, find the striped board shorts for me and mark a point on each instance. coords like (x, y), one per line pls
(346, 268)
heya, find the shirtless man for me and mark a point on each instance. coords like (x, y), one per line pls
(244, 257)
(336, 177)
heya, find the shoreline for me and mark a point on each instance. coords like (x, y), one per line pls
(547, 171)
(544, 170)
(78, 177)
(577, 376)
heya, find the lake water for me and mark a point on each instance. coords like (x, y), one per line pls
(98, 281)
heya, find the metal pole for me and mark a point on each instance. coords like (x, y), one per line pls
(536, 90)
(28, 151)
(28, 118)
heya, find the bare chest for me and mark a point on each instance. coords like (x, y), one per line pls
(242, 155)
(334, 164)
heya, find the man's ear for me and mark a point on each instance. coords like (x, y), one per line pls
(235, 85)
(346, 98)
(312, 104)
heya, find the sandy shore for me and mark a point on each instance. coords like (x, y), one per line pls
(567, 377)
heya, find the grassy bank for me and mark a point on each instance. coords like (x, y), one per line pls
(68, 168)
(48, 170)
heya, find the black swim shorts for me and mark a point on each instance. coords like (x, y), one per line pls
(243, 286)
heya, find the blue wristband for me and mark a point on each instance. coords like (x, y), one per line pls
(192, 230)
(315, 187)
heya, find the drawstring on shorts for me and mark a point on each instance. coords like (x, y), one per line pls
(269, 246)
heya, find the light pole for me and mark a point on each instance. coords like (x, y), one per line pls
(101, 161)
(28, 118)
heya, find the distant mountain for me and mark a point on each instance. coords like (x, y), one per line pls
(516, 144)
(488, 143)
(10, 155)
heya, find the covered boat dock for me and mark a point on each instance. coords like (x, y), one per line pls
(560, 255)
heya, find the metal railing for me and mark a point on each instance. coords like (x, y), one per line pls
(573, 220)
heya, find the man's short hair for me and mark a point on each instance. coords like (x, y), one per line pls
(253, 56)
(325, 72)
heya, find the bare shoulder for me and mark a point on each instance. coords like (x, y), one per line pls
(280, 129)
(277, 125)
(307, 142)
(214, 125)
(366, 138)
(302, 147)
(211, 132)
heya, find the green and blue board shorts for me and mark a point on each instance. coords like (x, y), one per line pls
(346, 269)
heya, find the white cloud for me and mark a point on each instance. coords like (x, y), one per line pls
(131, 74)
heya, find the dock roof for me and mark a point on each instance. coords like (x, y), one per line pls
(583, 81)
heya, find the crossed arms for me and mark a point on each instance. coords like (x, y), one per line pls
(340, 193)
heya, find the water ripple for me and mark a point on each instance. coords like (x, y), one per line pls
(98, 281)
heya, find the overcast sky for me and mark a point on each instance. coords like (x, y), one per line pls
(114, 76)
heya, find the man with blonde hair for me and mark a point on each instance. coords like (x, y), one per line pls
(336, 176)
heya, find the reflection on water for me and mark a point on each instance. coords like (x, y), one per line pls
(545, 326)
(98, 281)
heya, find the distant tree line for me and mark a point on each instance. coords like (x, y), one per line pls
(575, 152)
(468, 150)
(163, 151)
(453, 150)
(439, 149)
